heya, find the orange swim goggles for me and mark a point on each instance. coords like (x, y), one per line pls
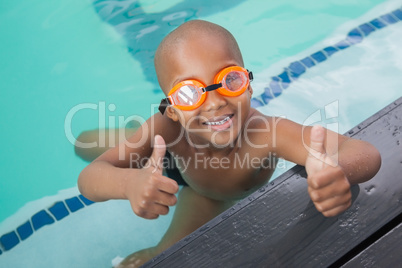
(190, 94)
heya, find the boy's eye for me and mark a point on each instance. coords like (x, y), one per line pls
(233, 81)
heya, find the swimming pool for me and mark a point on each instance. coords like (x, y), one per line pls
(59, 55)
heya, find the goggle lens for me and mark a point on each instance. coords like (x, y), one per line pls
(187, 95)
(234, 81)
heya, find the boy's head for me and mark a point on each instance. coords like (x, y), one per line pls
(198, 51)
(189, 37)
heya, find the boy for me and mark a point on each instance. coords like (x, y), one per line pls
(207, 124)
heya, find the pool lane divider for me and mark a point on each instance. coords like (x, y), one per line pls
(297, 68)
(58, 211)
(62, 209)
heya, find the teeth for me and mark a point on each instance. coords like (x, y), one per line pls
(218, 123)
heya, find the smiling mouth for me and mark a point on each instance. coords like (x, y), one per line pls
(222, 120)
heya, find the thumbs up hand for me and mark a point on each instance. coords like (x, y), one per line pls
(151, 193)
(328, 187)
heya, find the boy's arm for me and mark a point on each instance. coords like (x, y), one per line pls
(333, 162)
(93, 136)
(132, 171)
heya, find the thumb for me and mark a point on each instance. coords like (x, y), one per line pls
(156, 159)
(316, 150)
(317, 137)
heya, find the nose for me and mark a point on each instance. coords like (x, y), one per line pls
(214, 101)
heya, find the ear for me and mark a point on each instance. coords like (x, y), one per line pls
(171, 113)
(250, 89)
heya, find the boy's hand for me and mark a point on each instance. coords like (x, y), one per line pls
(328, 186)
(152, 193)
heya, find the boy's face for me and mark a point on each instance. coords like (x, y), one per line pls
(219, 119)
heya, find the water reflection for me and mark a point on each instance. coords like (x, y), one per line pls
(144, 31)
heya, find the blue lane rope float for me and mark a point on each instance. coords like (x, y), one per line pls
(61, 209)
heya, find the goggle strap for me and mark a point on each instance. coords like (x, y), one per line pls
(212, 87)
(250, 75)
(164, 104)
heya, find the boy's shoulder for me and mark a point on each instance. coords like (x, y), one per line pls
(258, 120)
(263, 129)
(159, 124)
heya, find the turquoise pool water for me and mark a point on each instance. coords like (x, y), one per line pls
(58, 55)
